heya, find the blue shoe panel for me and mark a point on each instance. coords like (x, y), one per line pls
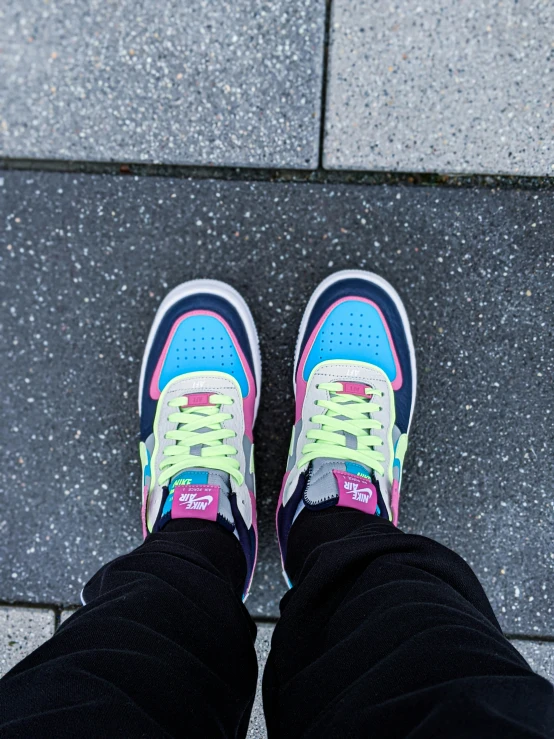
(354, 286)
(202, 343)
(353, 330)
(198, 301)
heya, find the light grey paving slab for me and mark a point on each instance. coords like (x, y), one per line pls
(257, 729)
(21, 631)
(65, 614)
(176, 81)
(441, 86)
(539, 654)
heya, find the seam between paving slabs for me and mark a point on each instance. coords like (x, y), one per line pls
(324, 75)
(317, 176)
(262, 621)
(546, 638)
(56, 609)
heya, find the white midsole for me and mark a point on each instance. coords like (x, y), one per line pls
(215, 287)
(376, 280)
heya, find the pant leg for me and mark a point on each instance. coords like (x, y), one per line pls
(164, 647)
(387, 634)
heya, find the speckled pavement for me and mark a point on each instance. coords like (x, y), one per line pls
(220, 82)
(432, 87)
(85, 261)
(449, 86)
(200, 89)
(21, 631)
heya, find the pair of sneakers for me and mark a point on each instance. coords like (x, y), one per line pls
(354, 382)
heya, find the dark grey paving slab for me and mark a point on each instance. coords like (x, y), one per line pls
(455, 87)
(195, 82)
(539, 654)
(85, 261)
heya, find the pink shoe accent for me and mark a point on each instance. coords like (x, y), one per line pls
(353, 388)
(143, 511)
(395, 501)
(301, 383)
(254, 516)
(255, 526)
(279, 504)
(195, 501)
(250, 400)
(356, 492)
(195, 399)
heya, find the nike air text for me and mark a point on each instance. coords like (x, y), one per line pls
(192, 502)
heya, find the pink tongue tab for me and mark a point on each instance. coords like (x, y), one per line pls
(352, 388)
(195, 399)
(356, 492)
(195, 501)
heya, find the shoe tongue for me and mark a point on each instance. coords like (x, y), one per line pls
(200, 476)
(335, 482)
(198, 493)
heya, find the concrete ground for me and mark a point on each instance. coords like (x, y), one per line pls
(269, 144)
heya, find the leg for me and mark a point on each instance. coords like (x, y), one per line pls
(389, 634)
(164, 647)
(383, 633)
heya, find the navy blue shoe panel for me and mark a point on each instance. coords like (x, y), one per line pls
(199, 301)
(356, 287)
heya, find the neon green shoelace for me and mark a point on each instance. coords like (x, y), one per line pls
(214, 454)
(345, 414)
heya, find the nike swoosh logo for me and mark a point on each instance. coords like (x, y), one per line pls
(207, 498)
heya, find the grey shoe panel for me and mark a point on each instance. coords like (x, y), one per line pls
(248, 450)
(322, 486)
(338, 371)
(213, 383)
(292, 458)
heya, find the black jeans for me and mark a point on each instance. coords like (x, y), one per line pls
(384, 634)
